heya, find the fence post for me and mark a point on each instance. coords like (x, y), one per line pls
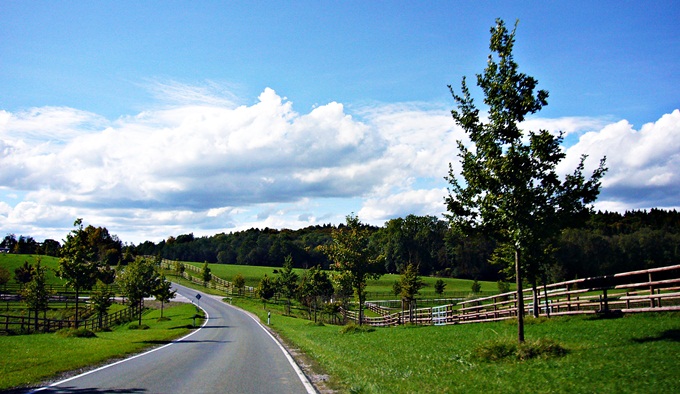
(651, 291)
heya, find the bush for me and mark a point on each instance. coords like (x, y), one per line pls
(498, 350)
(353, 328)
(138, 327)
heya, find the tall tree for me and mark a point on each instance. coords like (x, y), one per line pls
(511, 189)
(350, 252)
(78, 266)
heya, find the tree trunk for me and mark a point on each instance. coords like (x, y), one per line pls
(77, 299)
(140, 311)
(520, 299)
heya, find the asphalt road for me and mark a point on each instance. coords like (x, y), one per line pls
(231, 353)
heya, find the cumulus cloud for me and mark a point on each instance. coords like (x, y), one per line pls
(644, 165)
(204, 164)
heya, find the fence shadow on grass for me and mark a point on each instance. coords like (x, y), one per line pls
(668, 335)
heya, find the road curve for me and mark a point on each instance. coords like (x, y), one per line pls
(230, 353)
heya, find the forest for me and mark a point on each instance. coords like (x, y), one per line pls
(609, 242)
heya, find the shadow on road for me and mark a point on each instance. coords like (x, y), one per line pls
(92, 390)
(180, 342)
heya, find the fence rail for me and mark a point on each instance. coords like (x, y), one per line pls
(652, 290)
(214, 283)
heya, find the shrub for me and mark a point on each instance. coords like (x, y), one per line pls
(76, 333)
(353, 328)
(138, 327)
(502, 349)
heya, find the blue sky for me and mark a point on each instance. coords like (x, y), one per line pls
(160, 118)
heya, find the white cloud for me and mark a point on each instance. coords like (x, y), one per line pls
(209, 165)
(644, 165)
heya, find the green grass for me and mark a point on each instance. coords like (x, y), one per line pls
(381, 286)
(252, 274)
(28, 360)
(633, 354)
(14, 261)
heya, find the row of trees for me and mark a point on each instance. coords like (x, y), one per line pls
(101, 245)
(606, 243)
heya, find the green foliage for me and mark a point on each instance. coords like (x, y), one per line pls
(287, 281)
(206, 274)
(138, 279)
(396, 287)
(102, 298)
(179, 267)
(78, 265)
(413, 239)
(503, 287)
(410, 283)
(352, 328)
(315, 287)
(138, 326)
(476, 287)
(266, 289)
(350, 253)
(163, 292)
(5, 276)
(511, 188)
(504, 349)
(24, 274)
(439, 287)
(35, 293)
(239, 282)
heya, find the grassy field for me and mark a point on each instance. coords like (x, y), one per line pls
(633, 354)
(14, 261)
(28, 360)
(381, 286)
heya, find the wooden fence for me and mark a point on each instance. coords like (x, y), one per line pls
(651, 290)
(31, 324)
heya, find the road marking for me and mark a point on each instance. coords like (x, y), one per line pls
(207, 317)
(305, 382)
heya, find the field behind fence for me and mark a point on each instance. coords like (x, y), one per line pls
(651, 290)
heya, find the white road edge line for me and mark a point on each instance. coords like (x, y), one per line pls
(308, 385)
(207, 317)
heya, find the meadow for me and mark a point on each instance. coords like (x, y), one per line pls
(378, 288)
(14, 261)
